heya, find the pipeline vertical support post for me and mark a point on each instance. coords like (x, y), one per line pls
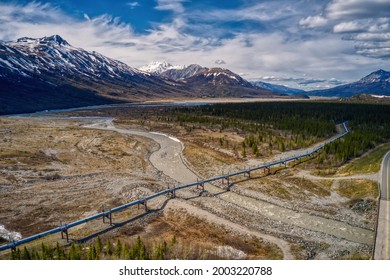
(143, 202)
(13, 248)
(65, 231)
(62, 231)
(108, 216)
(174, 192)
(170, 192)
(227, 182)
(104, 221)
(247, 173)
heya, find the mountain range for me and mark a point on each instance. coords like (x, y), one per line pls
(208, 82)
(377, 83)
(49, 73)
(278, 88)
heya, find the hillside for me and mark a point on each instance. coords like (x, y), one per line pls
(377, 82)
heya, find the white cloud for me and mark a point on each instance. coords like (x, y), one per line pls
(39, 20)
(348, 27)
(372, 37)
(380, 25)
(170, 5)
(133, 5)
(359, 21)
(357, 9)
(313, 21)
(265, 11)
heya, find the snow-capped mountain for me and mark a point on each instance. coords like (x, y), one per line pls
(183, 73)
(220, 82)
(278, 88)
(213, 82)
(219, 76)
(29, 56)
(195, 72)
(380, 76)
(377, 83)
(49, 73)
(158, 67)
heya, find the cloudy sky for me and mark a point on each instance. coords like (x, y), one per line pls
(302, 43)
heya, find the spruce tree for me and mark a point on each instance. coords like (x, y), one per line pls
(108, 248)
(118, 249)
(99, 245)
(25, 254)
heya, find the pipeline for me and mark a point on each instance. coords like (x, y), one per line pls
(64, 228)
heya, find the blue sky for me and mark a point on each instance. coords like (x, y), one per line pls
(307, 44)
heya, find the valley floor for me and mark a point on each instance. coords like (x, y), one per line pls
(60, 169)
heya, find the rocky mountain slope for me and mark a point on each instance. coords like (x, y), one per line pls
(216, 82)
(49, 73)
(183, 73)
(211, 82)
(377, 82)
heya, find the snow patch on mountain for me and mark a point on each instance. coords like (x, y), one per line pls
(378, 76)
(158, 67)
(30, 56)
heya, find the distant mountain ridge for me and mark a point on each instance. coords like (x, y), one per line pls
(209, 81)
(182, 73)
(215, 82)
(278, 88)
(377, 82)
